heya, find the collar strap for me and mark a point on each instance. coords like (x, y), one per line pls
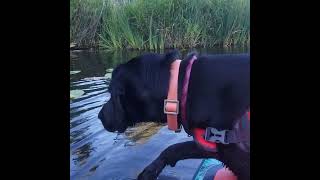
(184, 93)
(171, 104)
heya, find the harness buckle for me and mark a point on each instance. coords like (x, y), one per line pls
(176, 102)
(214, 135)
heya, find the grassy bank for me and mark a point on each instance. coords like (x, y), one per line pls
(159, 24)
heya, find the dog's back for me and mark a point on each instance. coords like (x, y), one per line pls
(219, 90)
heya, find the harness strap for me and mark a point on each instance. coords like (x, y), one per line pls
(198, 135)
(207, 138)
(240, 133)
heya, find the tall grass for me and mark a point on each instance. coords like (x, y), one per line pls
(159, 24)
(85, 21)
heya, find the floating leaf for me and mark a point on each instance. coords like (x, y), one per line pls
(73, 45)
(109, 70)
(74, 94)
(108, 75)
(94, 78)
(74, 72)
(73, 56)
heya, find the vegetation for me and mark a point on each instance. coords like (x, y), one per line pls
(159, 24)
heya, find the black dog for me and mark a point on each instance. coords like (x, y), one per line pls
(218, 95)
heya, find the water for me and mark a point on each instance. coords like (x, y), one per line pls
(98, 154)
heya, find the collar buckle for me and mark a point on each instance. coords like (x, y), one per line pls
(174, 103)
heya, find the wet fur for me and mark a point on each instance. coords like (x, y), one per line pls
(219, 93)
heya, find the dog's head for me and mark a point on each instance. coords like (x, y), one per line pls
(137, 89)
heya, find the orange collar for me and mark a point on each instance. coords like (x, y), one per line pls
(171, 104)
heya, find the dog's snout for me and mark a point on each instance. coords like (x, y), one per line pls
(107, 125)
(112, 117)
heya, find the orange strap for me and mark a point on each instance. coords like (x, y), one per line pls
(171, 104)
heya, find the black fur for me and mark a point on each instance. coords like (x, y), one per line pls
(219, 93)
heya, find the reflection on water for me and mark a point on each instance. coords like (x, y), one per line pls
(98, 154)
(82, 153)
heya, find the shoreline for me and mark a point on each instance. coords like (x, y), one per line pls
(95, 48)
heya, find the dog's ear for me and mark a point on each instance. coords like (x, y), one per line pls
(170, 57)
(118, 103)
(118, 79)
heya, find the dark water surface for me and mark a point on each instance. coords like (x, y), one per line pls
(98, 154)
